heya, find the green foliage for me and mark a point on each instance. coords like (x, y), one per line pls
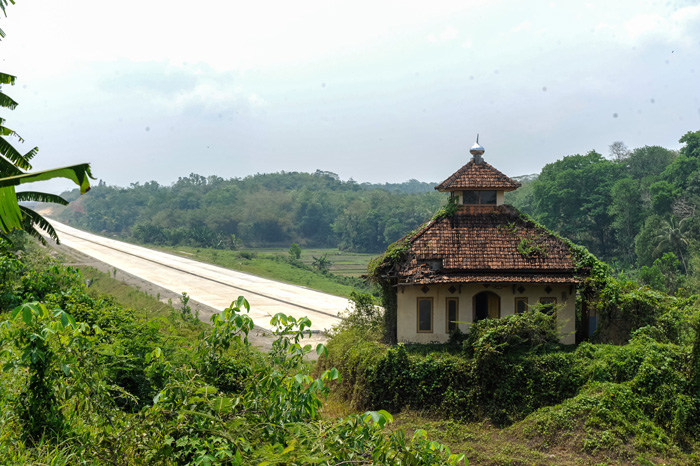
(38, 410)
(131, 394)
(501, 356)
(618, 401)
(692, 144)
(13, 167)
(308, 209)
(294, 251)
(648, 162)
(573, 196)
(490, 338)
(10, 270)
(663, 275)
(186, 310)
(322, 263)
(529, 247)
(364, 316)
(636, 398)
(629, 211)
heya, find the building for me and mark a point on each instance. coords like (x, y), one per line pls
(482, 260)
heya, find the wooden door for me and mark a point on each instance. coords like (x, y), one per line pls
(494, 306)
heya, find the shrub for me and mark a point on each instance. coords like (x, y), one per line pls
(493, 337)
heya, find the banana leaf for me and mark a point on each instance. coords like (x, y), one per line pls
(79, 174)
(10, 213)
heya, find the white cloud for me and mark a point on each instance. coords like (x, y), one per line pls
(525, 26)
(642, 25)
(448, 34)
(680, 26)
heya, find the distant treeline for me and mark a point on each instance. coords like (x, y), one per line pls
(277, 209)
(636, 209)
(641, 208)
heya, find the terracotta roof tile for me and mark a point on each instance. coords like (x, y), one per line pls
(478, 176)
(486, 242)
(493, 278)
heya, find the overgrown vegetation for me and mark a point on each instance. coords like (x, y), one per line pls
(624, 404)
(87, 381)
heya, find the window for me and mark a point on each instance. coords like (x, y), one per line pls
(470, 197)
(520, 305)
(548, 304)
(488, 197)
(425, 315)
(479, 197)
(452, 307)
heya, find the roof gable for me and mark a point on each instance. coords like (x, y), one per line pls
(478, 176)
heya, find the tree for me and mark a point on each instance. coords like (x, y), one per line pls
(663, 275)
(661, 235)
(663, 196)
(628, 215)
(692, 144)
(573, 195)
(322, 264)
(619, 151)
(648, 161)
(294, 252)
(3, 5)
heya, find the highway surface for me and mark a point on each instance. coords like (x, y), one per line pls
(208, 284)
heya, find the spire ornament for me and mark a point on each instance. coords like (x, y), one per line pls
(477, 150)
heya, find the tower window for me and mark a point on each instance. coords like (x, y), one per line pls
(479, 197)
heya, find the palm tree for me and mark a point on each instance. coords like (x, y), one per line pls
(673, 236)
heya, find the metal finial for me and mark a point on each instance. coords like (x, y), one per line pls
(477, 149)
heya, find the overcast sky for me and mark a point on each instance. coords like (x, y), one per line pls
(376, 91)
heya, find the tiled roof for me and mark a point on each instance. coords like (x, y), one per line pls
(491, 278)
(480, 243)
(477, 176)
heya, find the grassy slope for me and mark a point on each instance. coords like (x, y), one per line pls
(272, 263)
(487, 445)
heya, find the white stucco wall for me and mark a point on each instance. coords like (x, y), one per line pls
(407, 308)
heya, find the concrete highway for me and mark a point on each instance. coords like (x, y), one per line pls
(208, 284)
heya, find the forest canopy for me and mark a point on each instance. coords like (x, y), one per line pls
(276, 209)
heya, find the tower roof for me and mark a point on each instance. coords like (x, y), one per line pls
(478, 176)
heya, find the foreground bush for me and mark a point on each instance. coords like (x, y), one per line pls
(640, 397)
(106, 388)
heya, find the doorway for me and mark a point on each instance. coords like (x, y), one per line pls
(487, 305)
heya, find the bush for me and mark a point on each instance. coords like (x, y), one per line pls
(493, 337)
(363, 316)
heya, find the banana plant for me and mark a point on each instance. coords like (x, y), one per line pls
(13, 164)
